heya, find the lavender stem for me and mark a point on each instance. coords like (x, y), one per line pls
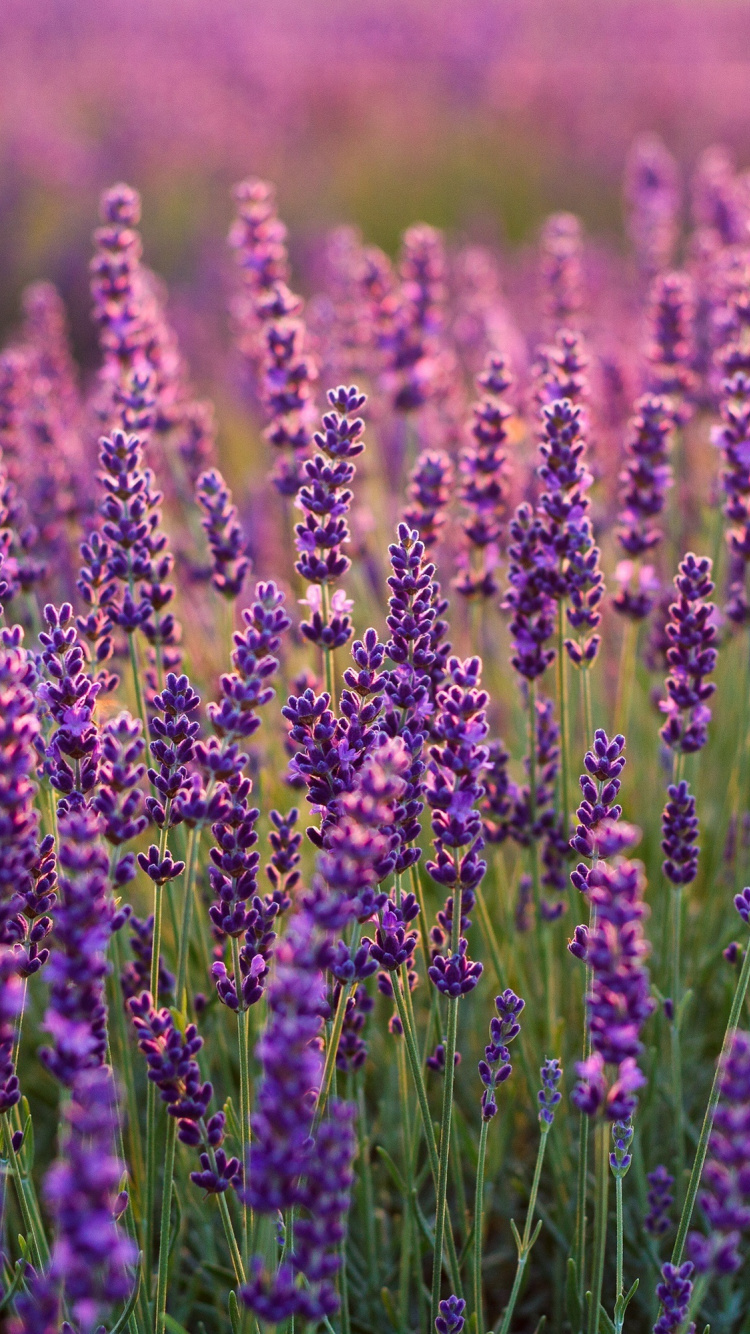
(479, 1227)
(601, 1200)
(526, 1242)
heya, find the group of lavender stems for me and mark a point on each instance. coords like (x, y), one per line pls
(404, 728)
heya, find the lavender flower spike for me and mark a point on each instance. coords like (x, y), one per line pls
(691, 656)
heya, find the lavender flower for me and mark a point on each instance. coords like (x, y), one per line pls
(561, 270)
(11, 1007)
(652, 196)
(73, 751)
(325, 498)
(136, 976)
(643, 486)
(409, 334)
(670, 350)
(619, 1002)
(496, 1066)
(271, 333)
(732, 438)
(482, 466)
(451, 1318)
(91, 1255)
(725, 1197)
(680, 835)
(19, 729)
(430, 484)
(691, 657)
(598, 811)
(660, 1200)
(549, 1095)
(674, 1293)
(226, 540)
(288, 1168)
(528, 597)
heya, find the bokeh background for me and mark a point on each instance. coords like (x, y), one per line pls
(479, 116)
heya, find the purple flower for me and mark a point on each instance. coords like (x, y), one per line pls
(19, 729)
(226, 540)
(136, 976)
(549, 1095)
(11, 1007)
(288, 1167)
(680, 835)
(410, 318)
(496, 1066)
(561, 270)
(484, 491)
(119, 800)
(430, 483)
(643, 487)
(670, 350)
(691, 656)
(598, 812)
(271, 334)
(73, 751)
(173, 748)
(528, 597)
(660, 1200)
(451, 1318)
(91, 1255)
(674, 1293)
(732, 437)
(725, 1196)
(619, 1002)
(352, 1049)
(652, 196)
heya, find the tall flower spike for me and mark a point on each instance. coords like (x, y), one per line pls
(288, 1167)
(496, 1066)
(229, 560)
(325, 498)
(91, 1253)
(725, 1197)
(429, 492)
(670, 348)
(11, 1007)
(652, 198)
(691, 657)
(644, 482)
(560, 266)
(484, 488)
(19, 729)
(411, 320)
(271, 333)
(679, 826)
(732, 438)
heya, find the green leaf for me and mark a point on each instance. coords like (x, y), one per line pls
(172, 1325)
(392, 1169)
(535, 1234)
(234, 1312)
(605, 1324)
(541, 1325)
(12, 1289)
(390, 1307)
(516, 1236)
(132, 1299)
(572, 1300)
(26, 1156)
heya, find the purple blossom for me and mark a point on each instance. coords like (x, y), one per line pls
(561, 273)
(429, 491)
(91, 1254)
(670, 350)
(549, 1095)
(19, 729)
(691, 656)
(69, 694)
(674, 1293)
(451, 1316)
(496, 1066)
(226, 540)
(644, 482)
(680, 835)
(136, 975)
(732, 437)
(652, 197)
(11, 1007)
(410, 319)
(725, 1194)
(484, 490)
(660, 1200)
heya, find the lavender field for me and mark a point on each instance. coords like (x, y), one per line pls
(374, 667)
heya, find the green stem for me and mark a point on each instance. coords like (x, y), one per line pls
(744, 739)
(332, 1046)
(447, 1111)
(583, 1151)
(562, 701)
(137, 687)
(424, 1108)
(368, 1192)
(187, 913)
(405, 1256)
(150, 1086)
(588, 711)
(162, 1272)
(479, 1227)
(619, 1281)
(243, 1033)
(328, 667)
(738, 1001)
(126, 1057)
(625, 676)
(234, 1249)
(679, 1115)
(33, 1230)
(601, 1201)
(527, 1241)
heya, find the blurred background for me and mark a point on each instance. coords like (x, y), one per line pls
(479, 116)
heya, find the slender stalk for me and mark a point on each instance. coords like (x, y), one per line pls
(187, 912)
(332, 1050)
(525, 1243)
(619, 1281)
(243, 1030)
(118, 1014)
(562, 704)
(601, 1201)
(479, 1227)
(368, 1192)
(162, 1272)
(679, 1114)
(738, 1001)
(583, 1151)
(33, 1230)
(625, 676)
(588, 711)
(234, 1249)
(447, 1112)
(328, 668)
(405, 1256)
(424, 1108)
(140, 703)
(150, 1086)
(742, 748)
